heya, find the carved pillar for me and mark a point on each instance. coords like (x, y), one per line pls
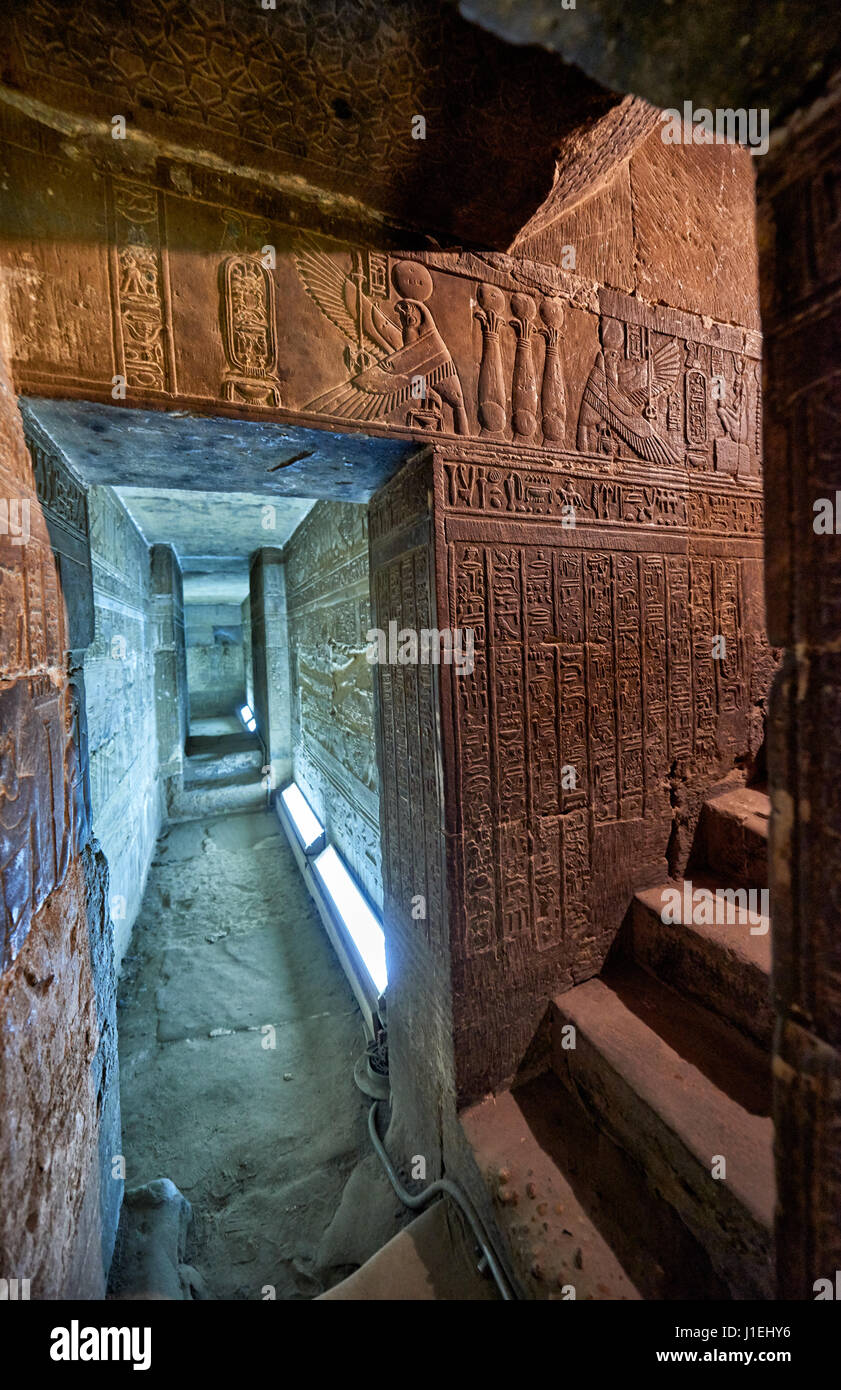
(524, 386)
(553, 394)
(270, 660)
(172, 715)
(492, 413)
(800, 203)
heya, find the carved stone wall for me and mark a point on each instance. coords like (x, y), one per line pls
(170, 658)
(215, 668)
(621, 668)
(801, 237)
(595, 718)
(270, 660)
(119, 668)
(329, 613)
(247, 653)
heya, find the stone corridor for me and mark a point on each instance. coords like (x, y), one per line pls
(238, 1034)
(338, 338)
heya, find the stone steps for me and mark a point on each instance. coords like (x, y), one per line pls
(555, 1243)
(733, 835)
(243, 794)
(672, 1086)
(670, 1074)
(213, 746)
(219, 759)
(206, 770)
(222, 772)
(726, 967)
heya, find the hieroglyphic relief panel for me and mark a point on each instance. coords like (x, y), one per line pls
(331, 681)
(65, 508)
(672, 389)
(43, 807)
(210, 303)
(139, 296)
(597, 682)
(249, 330)
(661, 387)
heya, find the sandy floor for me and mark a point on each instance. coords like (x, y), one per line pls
(260, 1138)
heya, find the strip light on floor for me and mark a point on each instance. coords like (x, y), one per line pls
(362, 926)
(307, 825)
(246, 714)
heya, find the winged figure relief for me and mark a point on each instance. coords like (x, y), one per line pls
(620, 397)
(392, 362)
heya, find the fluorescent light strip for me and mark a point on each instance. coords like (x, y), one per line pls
(364, 929)
(304, 819)
(246, 713)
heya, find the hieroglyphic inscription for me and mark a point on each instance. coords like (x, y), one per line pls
(140, 328)
(655, 668)
(469, 588)
(595, 677)
(249, 332)
(471, 486)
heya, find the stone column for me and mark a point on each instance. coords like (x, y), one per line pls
(412, 798)
(270, 660)
(171, 698)
(247, 661)
(800, 205)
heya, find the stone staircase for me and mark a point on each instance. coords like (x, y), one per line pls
(639, 1163)
(222, 773)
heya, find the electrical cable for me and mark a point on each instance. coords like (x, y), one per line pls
(443, 1187)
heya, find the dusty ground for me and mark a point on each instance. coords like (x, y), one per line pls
(260, 1138)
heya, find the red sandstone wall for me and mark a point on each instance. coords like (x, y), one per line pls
(673, 223)
(801, 236)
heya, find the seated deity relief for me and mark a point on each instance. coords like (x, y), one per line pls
(619, 404)
(393, 361)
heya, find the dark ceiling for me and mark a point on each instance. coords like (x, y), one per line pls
(325, 90)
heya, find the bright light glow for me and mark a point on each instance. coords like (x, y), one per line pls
(252, 725)
(303, 817)
(364, 929)
(246, 713)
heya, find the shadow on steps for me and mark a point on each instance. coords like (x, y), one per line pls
(428, 1261)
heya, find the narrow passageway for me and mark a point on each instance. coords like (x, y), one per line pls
(238, 1034)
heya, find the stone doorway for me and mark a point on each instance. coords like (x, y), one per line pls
(181, 801)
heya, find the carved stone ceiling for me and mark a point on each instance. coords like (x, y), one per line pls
(174, 449)
(321, 91)
(212, 523)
